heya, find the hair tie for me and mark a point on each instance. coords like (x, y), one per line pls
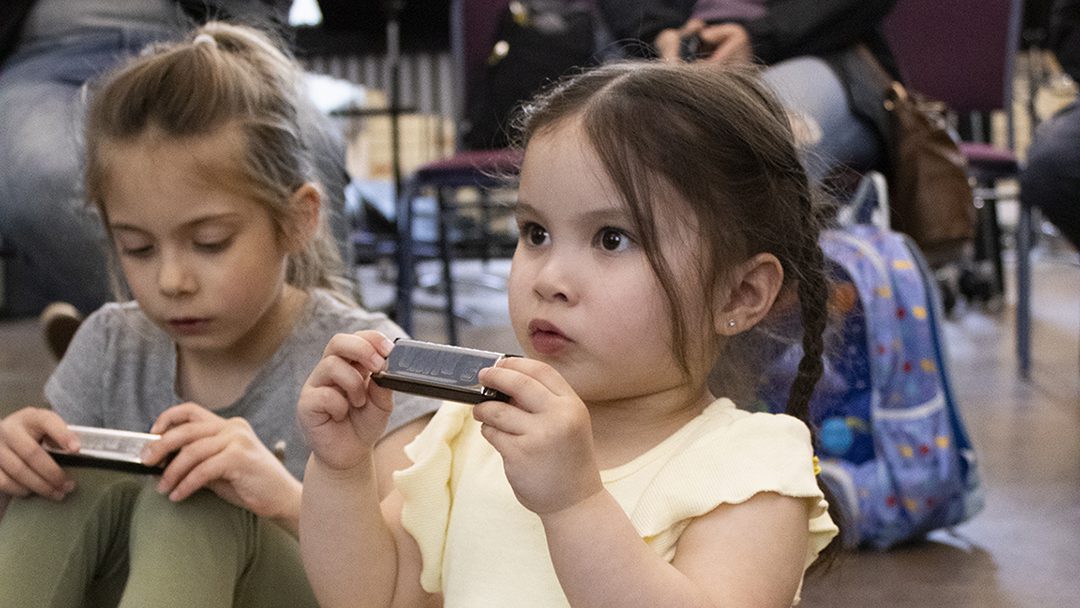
(204, 39)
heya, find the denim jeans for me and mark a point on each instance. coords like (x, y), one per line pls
(57, 241)
(829, 134)
(1051, 179)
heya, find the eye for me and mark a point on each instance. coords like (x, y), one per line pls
(534, 234)
(137, 252)
(613, 239)
(214, 246)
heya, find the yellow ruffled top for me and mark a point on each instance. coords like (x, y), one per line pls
(480, 547)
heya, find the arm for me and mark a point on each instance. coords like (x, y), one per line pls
(749, 554)
(353, 553)
(737, 555)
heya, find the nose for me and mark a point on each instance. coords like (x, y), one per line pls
(174, 276)
(555, 279)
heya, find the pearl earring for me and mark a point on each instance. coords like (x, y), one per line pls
(731, 323)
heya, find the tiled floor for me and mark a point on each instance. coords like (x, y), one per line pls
(1023, 550)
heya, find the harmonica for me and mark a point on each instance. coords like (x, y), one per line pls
(439, 371)
(107, 448)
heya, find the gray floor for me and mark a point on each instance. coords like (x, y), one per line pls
(1022, 550)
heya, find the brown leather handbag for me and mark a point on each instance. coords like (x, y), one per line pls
(930, 196)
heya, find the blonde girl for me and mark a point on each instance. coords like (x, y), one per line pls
(202, 174)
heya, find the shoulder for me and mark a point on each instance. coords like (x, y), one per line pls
(329, 315)
(115, 321)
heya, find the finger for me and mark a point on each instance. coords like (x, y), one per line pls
(24, 438)
(11, 487)
(727, 50)
(341, 374)
(321, 404)
(499, 440)
(25, 480)
(177, 437)
(526, 393)
(502, 416)
(207, 471)
(543, 373)
(667, 45)
(180, 414)
(367, 349)
(189, 457)
(692, 27)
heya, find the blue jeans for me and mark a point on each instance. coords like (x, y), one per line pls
(1051, 179)
(58, 241)
(829, 134)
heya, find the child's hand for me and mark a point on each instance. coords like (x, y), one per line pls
(223, 455)
(544, 435)
(25, 467)
(341, 411)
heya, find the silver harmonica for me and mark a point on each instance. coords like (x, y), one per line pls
(439, 371)
(109, 448)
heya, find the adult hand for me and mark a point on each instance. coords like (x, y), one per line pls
(544, 435)
(225, 456)
(727, 43)
(341, 411)
(25, 467)
(668, 41)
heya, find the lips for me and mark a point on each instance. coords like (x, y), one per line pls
(546, 338)
(189, 325)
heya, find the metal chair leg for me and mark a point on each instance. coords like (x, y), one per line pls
(1023, 292)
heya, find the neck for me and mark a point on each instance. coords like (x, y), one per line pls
(217, 378)
(626, 428)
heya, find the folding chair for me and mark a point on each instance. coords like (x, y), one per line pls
(962, 52)
(473, 31)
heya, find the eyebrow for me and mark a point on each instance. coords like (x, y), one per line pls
(227, 215)
(606, 214)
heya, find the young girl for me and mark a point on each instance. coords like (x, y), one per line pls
(662, 211)
(198, 167)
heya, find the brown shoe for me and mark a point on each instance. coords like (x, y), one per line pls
(59, 321)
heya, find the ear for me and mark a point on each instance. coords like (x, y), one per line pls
(304, 202)
(750, 294)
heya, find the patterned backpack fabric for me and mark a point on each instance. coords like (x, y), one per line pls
(893, 448)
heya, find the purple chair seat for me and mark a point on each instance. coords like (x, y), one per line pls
(990, 160)
(469, 166)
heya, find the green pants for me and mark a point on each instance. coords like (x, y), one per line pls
(115, 541)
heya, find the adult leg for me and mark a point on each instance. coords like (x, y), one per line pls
(1051, 178)
(829, 134)
(71, 553)
(58, 240)
(205, 552)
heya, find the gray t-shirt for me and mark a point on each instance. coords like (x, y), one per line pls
(120, 372)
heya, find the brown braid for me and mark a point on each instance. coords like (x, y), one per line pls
(813, 299)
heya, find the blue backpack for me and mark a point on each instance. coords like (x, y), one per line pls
(892, 446)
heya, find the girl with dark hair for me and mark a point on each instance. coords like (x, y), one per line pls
(663, 212)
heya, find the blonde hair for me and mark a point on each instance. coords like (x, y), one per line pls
(222, 76)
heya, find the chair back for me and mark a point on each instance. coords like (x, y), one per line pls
(474, 27)
(957, 51)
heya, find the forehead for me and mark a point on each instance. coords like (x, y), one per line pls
(158, 177)
(562, 170)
